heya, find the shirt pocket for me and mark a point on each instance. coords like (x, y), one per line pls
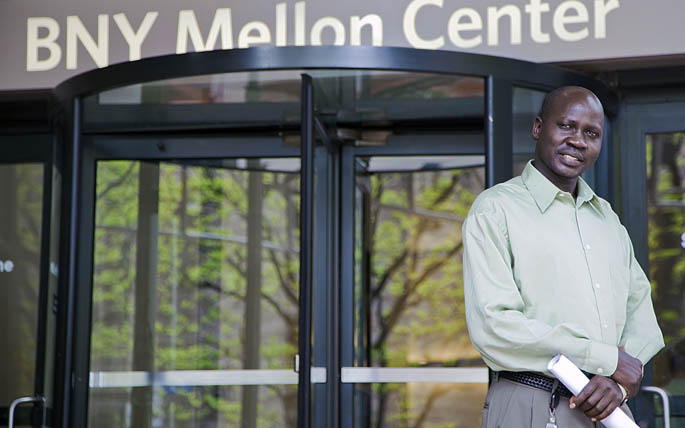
(620, 287)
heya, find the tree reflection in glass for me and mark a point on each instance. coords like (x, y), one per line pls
(20, 245)
(665, 162)
(196, 268)
(409, 293)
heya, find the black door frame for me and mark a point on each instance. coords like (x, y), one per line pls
(501, 75)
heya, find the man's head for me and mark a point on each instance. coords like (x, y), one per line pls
(568, 131)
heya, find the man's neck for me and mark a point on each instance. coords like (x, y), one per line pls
(564, 184)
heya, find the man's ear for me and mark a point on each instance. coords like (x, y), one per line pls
(537, 124)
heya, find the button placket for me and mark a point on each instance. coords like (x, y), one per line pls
(595, 285)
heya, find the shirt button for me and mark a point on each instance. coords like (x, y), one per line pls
(597, 285)
(606, 326)
(587, 246)
(600, 370)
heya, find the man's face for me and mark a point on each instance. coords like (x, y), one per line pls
(569, 136)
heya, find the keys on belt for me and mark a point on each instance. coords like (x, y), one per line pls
(553, 403)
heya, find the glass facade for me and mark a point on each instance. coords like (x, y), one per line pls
(185, 260)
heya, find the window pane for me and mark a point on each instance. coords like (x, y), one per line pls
(284, 86)
(227, 88)
(177, 406)
(20, 243)
(527, 103)
(196, 268)
(665, 157)
(444, 405)
(244, 99)
(409, 293)
(409, 298)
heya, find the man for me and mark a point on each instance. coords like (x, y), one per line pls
(549, 269)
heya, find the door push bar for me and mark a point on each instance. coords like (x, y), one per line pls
(24, 400)
(664, 398)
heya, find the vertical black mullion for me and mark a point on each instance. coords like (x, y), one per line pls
(84, 284)
(498, 131)
(79, 267)
(346, 346)
(61, 163)
(632, 183)
(631, 197)
(306, 241)
(43, 292)
(67, 280)
(602, 166)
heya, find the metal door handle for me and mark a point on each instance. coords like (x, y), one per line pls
(664, 398)
(23, 400)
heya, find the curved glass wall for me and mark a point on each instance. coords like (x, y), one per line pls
(196, 258)
(271, 98)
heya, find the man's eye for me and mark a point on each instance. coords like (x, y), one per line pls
(592, 134)
(565, 126)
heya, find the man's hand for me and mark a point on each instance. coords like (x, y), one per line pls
(598, 399)
(628, 372)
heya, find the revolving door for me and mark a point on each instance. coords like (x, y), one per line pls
(272, 236)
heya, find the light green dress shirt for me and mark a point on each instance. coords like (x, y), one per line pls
(544, 274)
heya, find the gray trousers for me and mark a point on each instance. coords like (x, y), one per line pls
(513, 405)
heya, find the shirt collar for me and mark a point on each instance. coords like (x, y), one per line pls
(544, 191)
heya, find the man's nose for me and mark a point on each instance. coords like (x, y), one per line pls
(577, 140)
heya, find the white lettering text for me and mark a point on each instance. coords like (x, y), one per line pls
(34, 42)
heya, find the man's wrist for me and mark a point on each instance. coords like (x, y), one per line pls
(624, 392)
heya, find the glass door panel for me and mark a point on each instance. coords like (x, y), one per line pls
(665, 161)
(20, 252)
(20, 245)
(195, 293)
(28, 282)
(414, 363)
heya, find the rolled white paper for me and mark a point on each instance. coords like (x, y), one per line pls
(575, 381)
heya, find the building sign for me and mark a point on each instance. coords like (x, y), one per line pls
(47, 41)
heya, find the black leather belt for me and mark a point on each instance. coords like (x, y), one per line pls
(536, 380)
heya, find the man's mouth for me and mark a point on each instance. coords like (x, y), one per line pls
(570, 159)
